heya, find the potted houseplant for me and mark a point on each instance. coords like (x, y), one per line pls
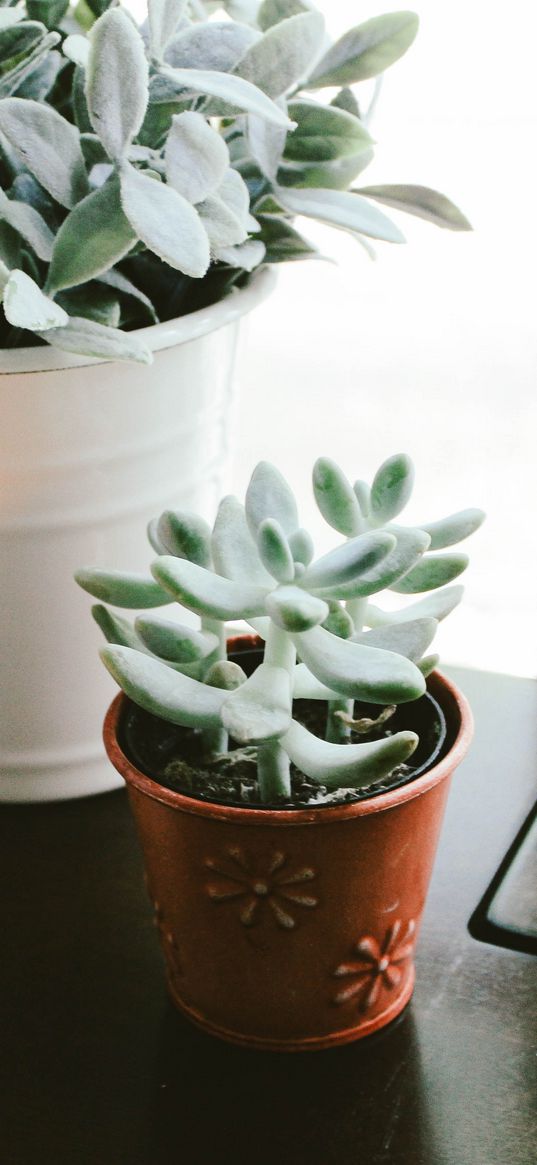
(288, 787)
(149, 182)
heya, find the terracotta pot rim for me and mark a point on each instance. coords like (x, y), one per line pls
(322, 815)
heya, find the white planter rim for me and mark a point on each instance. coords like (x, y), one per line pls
(237, 303)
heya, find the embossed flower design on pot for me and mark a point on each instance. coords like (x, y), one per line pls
(377, 965)
(277, 889)
(168, 943)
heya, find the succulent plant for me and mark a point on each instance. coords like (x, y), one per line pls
(324, 639)
(145, 171)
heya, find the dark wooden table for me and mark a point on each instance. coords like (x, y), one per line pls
(97, 1068)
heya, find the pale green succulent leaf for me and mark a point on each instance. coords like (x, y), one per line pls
(345, 563)
(339, 621)
(274, 551)
(92, 303)
(20, 73)
(307, 687)
(50, 12)
(206, 593)
(217, 45)
(94, 236)
(433, 571)
(269, 496)
(302, 548)
(362, 494)
(223, 227)
(340, 209)
(358, 672)
(162, 690)
(196, 156)
(391, 488)
(41, 79)
(48, 145)
(246, 256)
(267, 143)
(165, 222)
(174, 642)
(163, 18)
(116, 81)
(122, 589)
(366, 51)
(88, 338)
(17, 39)
(410, 546)
(283, 243)
(4, 276)
(234, 550)
(117, 630)
(351, 766)
(260, 709)
(77, 49)
(225, 674)
(235, 91)
(120, 282)
(435, 606)
(324, 133)
(422, 202)
(26, 306)
(410, 638)
(449, 531)
(295, 610)
(335, 497)
(284, 55)
(428, 664)
(185, 535)
(272, 11)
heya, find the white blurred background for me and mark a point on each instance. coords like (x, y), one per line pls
(431, 349)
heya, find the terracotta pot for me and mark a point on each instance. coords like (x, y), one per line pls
(292, 929)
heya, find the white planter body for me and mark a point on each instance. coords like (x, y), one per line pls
(89, 453)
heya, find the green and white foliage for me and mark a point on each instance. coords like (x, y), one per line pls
(324, 639)
(137, 160)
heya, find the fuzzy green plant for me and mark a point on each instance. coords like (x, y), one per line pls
(146, 171)
(324, 640)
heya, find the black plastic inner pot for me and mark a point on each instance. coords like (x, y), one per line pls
(170, 754)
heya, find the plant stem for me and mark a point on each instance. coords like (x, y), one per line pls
(336, 731)
(273, 773)
(357, 609)
(215, 741)
(279, 650)
(215, 627)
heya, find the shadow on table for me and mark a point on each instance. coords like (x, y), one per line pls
(362, 1104)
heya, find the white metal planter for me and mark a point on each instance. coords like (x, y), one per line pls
(89, 452)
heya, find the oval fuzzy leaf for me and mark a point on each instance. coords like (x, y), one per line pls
(28, 223)
(234, 550)
(324, 133)
(347, 766)
(408, 550)
(282, 57)
(269, 496)
(163, 17)
(185, 535)
(87, 338)
(48, 145)
(274, 551)
(207, 593)
(391, 488)
(247, 255)
(302, 548)
(410, 638)
(295, 610)
(122, 589)
(358, 672)
(16, 42)
(453, 529)
(341, 209)
(259, 709)
(116, 81)
(347, 562)
(216, 45)
(174, 641)
(366, 51)
(94, 236)
(335, 497)
(223, 227)
(422, 202)
(117, 630)
(165, 222)
(435, 606)
(433, 571)
(25, 306)
(272, 11)
(162, 690)
(77, 49)
(235, 91)
(196, 156)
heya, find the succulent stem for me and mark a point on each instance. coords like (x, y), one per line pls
(339, 714)
(356, 609)
(273, 771)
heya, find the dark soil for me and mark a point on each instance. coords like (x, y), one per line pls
(172, 756)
